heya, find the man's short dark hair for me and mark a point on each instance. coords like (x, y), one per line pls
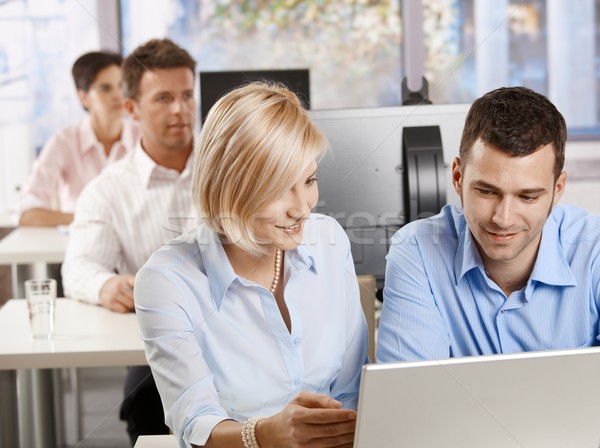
(88, 65)
(156, 53)
(518, 121)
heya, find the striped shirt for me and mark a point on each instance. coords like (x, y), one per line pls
(68, 161)
(123, 216)
(439, 302)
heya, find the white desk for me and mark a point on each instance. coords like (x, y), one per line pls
(85, 336)
(7, 219)
(33, 245)
(27, 248)
(156, 442)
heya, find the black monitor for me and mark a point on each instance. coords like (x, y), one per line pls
(213, 85)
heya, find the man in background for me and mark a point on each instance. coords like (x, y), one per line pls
(75, 155)
(138, 204)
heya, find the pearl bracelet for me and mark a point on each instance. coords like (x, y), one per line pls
(249, 432)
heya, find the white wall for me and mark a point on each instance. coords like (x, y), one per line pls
(582, 163)
(16, 158)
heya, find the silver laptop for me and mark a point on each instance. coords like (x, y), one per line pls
(527, 400)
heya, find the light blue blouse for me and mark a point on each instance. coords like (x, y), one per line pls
(218, 346)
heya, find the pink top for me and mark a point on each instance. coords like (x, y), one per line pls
(68, 161)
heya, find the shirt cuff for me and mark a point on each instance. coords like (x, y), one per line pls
(27, 201)
(203, 427)
(91, 292)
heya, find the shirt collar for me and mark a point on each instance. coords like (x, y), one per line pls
(129, 136)
(467, 256)
(550, 266)
(87, 135)
(220, 273)
(144, 165)
(149, 170)
(301, 259)
(130, 133)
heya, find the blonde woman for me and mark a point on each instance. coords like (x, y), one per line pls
(252, 322)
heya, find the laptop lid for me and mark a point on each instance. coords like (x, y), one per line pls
(527, 400)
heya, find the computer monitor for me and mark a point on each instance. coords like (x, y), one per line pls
(535, 399)
(213, 85)
(361, 179)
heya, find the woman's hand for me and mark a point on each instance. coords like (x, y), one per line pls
(309, 420)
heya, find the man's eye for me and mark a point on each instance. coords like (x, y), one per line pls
(529, 198)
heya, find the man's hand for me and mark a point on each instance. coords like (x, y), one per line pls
(309, 420)
(117, 293)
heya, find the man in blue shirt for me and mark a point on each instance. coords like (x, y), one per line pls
(510, 271)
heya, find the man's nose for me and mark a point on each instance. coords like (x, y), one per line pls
(503, 212)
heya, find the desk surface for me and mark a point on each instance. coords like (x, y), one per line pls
(7, 219)
(26, 245)
(156, 442)
(85, 336)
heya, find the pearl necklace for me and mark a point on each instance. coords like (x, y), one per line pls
(277, 270)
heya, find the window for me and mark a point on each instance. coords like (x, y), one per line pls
(37, 95)
(353, 47)
(551, 46)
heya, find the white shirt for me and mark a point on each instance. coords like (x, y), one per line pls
(122, 216)
(218, 346)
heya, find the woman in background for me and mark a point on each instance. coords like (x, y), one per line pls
(75, 155)
(252, 322)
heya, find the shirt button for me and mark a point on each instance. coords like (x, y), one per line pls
(297, 341)
(296, 382)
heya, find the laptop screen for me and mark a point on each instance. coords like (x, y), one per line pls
(526, 400)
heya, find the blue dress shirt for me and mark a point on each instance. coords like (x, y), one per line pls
(439, 302)
(218, 345)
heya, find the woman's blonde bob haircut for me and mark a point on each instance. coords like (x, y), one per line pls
(255, 143)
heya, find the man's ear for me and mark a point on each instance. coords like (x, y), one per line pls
(131, 106)
(83, 98)
(559, 187)
(457, 176)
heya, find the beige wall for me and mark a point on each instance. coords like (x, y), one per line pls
(5, 276)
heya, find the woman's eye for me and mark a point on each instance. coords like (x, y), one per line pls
(310, 181)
